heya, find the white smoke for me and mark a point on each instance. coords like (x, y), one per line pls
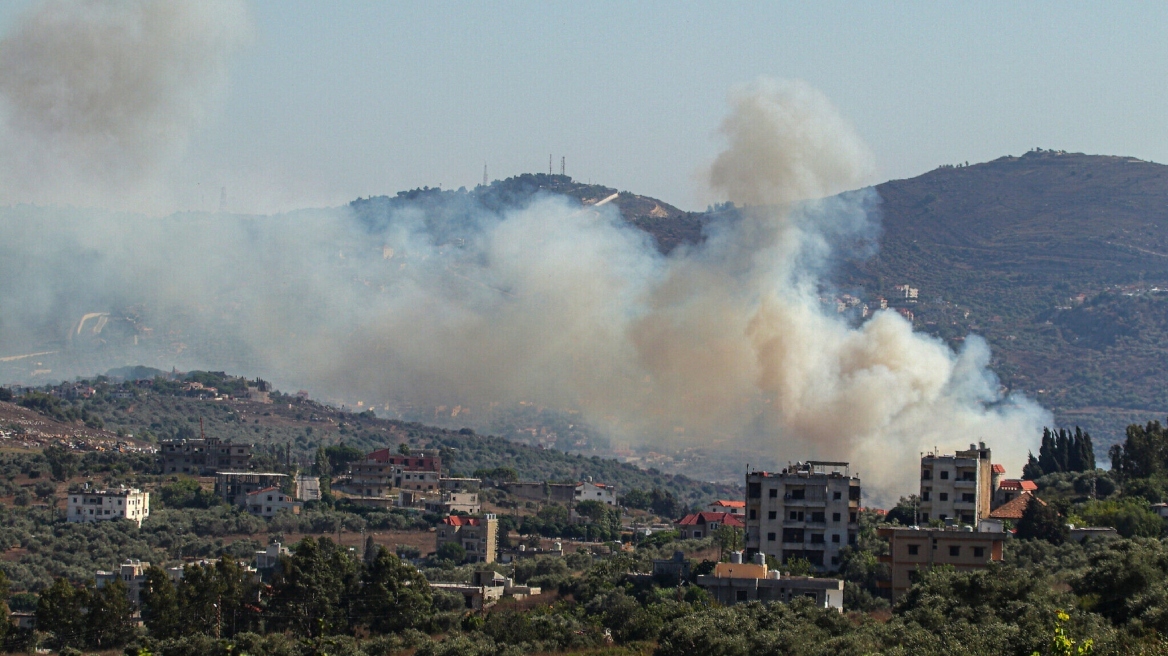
(98, 98)
(723, 345)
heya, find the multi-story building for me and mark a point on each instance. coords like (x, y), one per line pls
(808, 510)
(382, 472)
(269, 501)
(1010, 489)
(564, 493)
(589, 491)
(234, 486)
(132, 574)
(307, 488)
(99, 505)
(737, 582)
(957, 488)
(455, 502)
(204, 456)
(913, 548)
(478, 536)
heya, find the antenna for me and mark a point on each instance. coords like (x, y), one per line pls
(562, 165)
(549, 163)
(222, 199)
(484, 174)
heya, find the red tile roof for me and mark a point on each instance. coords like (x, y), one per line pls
(999, 469)
(458, 520)
(1015, 484)
(729, 503)
(1015, 507)
(707, 517)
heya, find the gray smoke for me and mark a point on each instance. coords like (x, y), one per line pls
(98, 98)
(723, 345)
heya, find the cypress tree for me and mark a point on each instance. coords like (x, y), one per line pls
(1062, 449)
(1046, 455)
(1086, 450)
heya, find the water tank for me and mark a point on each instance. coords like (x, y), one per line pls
(736, 557)
(758, 558)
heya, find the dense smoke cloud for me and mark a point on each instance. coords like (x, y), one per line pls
(97, 98)
(450, 300)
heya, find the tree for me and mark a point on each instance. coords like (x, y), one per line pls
(1142, 453)
(108, 614)
(60, 611)
(1042, 522)
(728, 538)
(451, 551)
(310, 592)
(1061, 451)
(392, 597)
(160, 605)
(62, 462)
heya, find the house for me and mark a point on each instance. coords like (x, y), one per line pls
(234, 486)
(132, 574)
(1010, 489)
(1016, 507)
(477, 535)
(913, 548)
(455, 502)
(486, 588)
(703, 524)
(270, 557)
(269, 501)
(675, 569)
(731, 506)
(957, 487)
(95, 506)
(204, 456)
(589, 491)
(809, 510)
(382, 472)
(737, 582)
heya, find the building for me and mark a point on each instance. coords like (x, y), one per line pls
(234, 486)
(912, 548)
(307, 488)
(589, 491)
(94, 506)
(737, 582)
(703, 524)
(675, 569)
(203, 456)
(270, 557)
(563, 493)
(957, 487)
(455, 502)
(383, 472)
(132, 574)
(808, 510)
(478, 536)
(732, 507)
(1010, 489)
(269, 501)
(1016, 507)
(460, 484)
(486, 588)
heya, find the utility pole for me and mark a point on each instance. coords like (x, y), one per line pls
(549, 163)
(484, 174)
(562, 165)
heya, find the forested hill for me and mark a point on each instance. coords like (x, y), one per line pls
(1059, 259)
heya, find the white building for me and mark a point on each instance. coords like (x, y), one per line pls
(100, 505)
(587, 491)
(269, 501)
(957, 487)
(270, 557)
(132, 573)
(307, 488)
(728, 506)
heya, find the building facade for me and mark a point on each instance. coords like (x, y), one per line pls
(95, 506)
(912, 548)
(477, 535)
(589, 491)
(203, 456)
(737, 582)
(268, 502)
(703, 524)
(957, 488)
(132, 574)
(307, 488)
(809, 510)
(234, 486)
(733, 507)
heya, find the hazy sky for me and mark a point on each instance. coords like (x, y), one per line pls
(331, 101)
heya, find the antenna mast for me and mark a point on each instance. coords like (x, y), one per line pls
(549, 163)
(562, 165)
(484, 174)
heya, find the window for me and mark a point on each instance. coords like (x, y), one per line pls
(835, 517)
(979, 552)
(798, 493)
(914, 549)
(794, 515)
(944, 496)
(773, 493)
(836, 496)
(817, 517)
(816, 538)
(773, 515)
(968, 497)
(925, 495)
(740, 595)
(835, 538)
(770, 537)
(835, 560)
(697, 534)
(944, 475)
(754, 490)
(924, 517)
(852, 517)
(926, 474)
(753, 514)
(954, 551)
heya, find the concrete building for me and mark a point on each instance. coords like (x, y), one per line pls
(383, 472)
(486, 588)
(270, 557)
(1011, 489)
(269, 501)
(455, 502)
(912, 548)
(478, 536)
(203, 456)
(589, 491)
(132, 573)
(957, 487)
(99, 505)
(732, 507)
(737, 582)
(1015, 507)
(234, 486)
(307, 488)
(703, 524)
(808, 510)
(563, 493)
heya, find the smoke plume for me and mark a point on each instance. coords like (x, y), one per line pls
(451, 298)
(97, 98)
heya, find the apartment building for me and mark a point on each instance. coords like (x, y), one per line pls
(477, 535)
(957, 487)
(269, 501)
(99, 505)
(737, 582)
(808, 510)
(383, 472)
(203, 456)
(132, 574)
(913, 548)
(234, 486)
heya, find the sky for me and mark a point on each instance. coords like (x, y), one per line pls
(327, 102)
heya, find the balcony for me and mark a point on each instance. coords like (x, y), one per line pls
(965, 485)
